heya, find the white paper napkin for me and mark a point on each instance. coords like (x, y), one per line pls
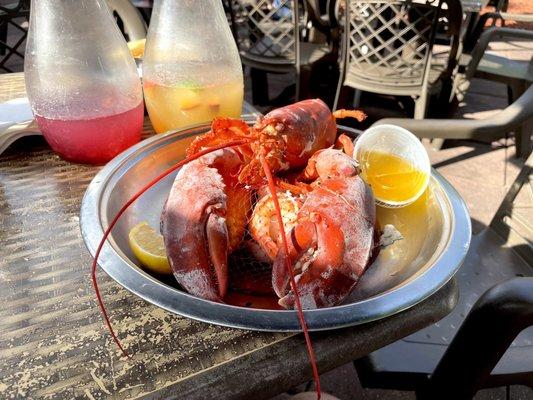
(16, 121)
(15, 111)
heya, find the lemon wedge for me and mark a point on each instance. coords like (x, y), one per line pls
(148, 247)
(189, 98)
(137, 48)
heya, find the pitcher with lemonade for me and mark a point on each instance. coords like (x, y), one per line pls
(191, 69)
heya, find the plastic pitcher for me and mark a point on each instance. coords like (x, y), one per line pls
(81, 80)
(191, 68)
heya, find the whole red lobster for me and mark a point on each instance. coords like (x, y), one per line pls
(204, 219)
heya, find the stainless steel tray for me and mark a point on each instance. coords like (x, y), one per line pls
(436, 232)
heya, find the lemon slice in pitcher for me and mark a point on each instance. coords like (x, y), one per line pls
(136, 48)
(394, 163)
(148, 247)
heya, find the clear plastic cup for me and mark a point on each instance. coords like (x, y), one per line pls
(394, 163)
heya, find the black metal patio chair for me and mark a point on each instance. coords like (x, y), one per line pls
(517, 117)
(487, 340)
(13, 19)
(494, 127)
(490, 20)
(502, 55)
(269, 37)
(388, 47)
(15, 15)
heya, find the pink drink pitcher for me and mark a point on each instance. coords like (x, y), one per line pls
(81, 80)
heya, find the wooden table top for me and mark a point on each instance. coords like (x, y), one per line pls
(53, 343)
(11, 86)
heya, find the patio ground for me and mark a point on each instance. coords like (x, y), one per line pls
(482, 173)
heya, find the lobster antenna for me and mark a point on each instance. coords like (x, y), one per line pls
(107, 232)
(288, 265)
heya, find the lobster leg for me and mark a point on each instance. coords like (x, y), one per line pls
(345, 143)
(288, 265)
(328, 163)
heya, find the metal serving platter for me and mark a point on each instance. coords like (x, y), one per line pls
(436, 231)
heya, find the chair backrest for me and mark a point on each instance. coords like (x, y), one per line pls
(388, 43)
(129, 19)
(268, 31)
(14, 17)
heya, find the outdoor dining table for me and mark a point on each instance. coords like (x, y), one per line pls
(54, 344)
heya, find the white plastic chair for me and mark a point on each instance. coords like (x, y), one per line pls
(129, 18)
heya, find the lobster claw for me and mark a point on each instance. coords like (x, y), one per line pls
(330, 246)
(194, 225)
(328, 163)
(316, 252)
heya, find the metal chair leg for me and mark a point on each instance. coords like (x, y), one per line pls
(420, 113)
(357, 98)
(259, 86)
(337, 96)
(523, 140)
(437, 143)
(421, 106)
(524, 131)
(302, 84)
(339, 88)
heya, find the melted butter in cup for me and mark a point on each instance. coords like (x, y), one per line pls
(394, 163)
